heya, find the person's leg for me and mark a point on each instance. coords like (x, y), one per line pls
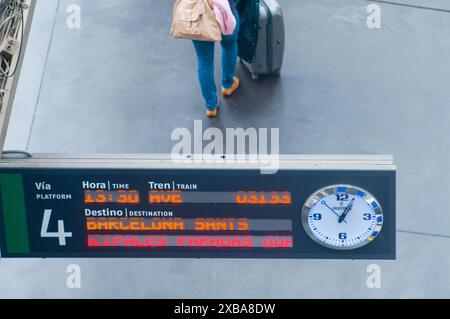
(230, 53)
(205, 61)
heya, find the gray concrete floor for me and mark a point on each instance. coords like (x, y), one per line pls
(345, 89)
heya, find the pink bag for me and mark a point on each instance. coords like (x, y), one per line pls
(224, 16)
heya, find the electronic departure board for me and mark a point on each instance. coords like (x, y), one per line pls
(197, 213)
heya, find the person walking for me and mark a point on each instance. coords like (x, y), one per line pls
(205, 63)
(232, 22)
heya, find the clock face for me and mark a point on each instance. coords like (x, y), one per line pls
(342, 217)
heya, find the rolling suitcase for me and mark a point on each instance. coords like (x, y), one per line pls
(269, 52)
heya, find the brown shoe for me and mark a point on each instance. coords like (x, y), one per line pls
(232, 89)
(213, 113)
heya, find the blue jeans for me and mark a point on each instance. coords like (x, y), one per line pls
(205, 61)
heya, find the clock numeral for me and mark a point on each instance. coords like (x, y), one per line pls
(343, 236)
(342, 197)
(367, 216)
(317, 216)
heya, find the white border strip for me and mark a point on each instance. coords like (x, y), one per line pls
(164, 161)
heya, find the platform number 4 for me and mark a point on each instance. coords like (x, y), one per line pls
(60, 234)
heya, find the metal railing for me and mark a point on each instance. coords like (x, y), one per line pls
(15, 23)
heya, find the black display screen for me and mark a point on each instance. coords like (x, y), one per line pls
(176, 213)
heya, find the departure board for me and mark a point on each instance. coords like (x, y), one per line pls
(202, 213)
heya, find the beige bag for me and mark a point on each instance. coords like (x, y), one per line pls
(195, 20)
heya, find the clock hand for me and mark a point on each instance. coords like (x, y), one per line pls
(346, 211)
(325, 203)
